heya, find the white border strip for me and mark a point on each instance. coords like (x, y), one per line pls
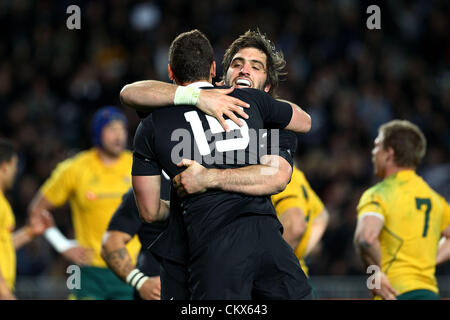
(373, 214)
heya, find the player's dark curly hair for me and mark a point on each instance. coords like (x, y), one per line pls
(407, 141)
(191, 56)
(257, 40)
(7, 150)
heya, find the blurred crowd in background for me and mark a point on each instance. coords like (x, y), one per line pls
(348, 78)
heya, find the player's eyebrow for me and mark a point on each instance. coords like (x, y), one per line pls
(240, 59)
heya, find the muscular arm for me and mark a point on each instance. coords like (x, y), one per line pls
(116, 254)
(318, 228)
(300, 121)
(294, 225)
(119, 261)
(367, 247)
(147, 191)
(366, 240)
(270, 177)
(148, 95)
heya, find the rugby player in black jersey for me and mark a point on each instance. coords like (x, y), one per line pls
(222, 227)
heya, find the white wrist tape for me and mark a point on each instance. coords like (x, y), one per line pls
(58, 240)
(136, 278)
(186, 96)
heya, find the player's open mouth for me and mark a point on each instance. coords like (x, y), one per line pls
(243, 83)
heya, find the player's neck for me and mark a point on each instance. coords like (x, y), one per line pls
(107, 158)
(394, 170)
(201, 80)
(2, 185)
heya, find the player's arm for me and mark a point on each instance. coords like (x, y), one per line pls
(318, 227)
(367, 247)
(150, 94)
(443, 253)
(5, 293)
(283, 114)
(294, 225)
(38, 209)
(147, 191)
(366, 240)
(35, 227)
(300, 120)
(118, 259)
(269, 177)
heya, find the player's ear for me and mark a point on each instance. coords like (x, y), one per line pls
(267, 87)
(212, 71)
(390, 155)
(170, 73)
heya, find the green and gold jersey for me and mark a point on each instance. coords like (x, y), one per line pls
(298, 193)
(414, 216)
(7, 251)
(94, 192)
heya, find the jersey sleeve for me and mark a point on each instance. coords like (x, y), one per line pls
(282, 143)
(371, 203)
(126, 218)
(60, 185)
(276, 114)
(144, 159)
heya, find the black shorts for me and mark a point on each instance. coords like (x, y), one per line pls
(247, 259)
(174, 285)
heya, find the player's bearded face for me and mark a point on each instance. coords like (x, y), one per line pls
(248, 70)
(379, 156)
(114, 137)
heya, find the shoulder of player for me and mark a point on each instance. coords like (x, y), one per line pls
(127, 155)
(297, 173)
(251, 92)
(79, 158)
(3, 201)
(377, 191)
(82, 157)
(148, 120)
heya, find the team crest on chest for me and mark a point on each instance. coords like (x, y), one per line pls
(90, 195)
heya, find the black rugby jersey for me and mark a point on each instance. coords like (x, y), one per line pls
(170, 134)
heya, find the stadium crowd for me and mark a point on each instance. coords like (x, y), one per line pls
(348, 78)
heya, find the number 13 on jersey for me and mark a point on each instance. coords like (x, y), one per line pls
(222, 146)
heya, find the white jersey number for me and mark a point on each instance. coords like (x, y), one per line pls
(222, 146)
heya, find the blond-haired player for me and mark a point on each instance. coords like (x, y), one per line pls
(401, 219)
